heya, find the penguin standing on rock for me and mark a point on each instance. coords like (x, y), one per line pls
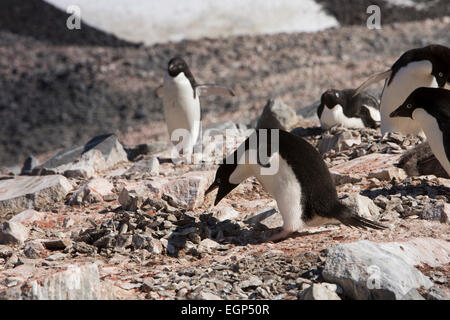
(295, 174)
(343, 107)
(422, 67)
(180, 93)
(430, 108)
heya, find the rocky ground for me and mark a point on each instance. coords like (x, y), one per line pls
(91, 224)
(113, 217)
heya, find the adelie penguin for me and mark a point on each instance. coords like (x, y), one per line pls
(430, 107)
(421, 67)
(294, 173)
(180, 93)
(343, 107)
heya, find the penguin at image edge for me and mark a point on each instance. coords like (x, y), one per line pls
(421, 67)
(301, 184)
(430, 107)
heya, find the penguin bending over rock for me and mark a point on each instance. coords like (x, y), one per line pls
(294, 174)
(180, 93)
(421, 67)
(430, 108)
(343, 107)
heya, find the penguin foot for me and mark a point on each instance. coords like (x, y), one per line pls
(281, 235)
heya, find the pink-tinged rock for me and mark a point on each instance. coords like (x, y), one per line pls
(375, 165)
(27, 217)
(131, 200)
(95, 190)
(30, 192)
(186, 191)
(421, 251)
(75, 283)
(13, 233)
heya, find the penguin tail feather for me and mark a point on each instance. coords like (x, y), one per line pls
(350, 219)
(373, 79)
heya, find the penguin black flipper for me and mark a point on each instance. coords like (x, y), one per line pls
(320, 110)
(366, 118)
(213, 90)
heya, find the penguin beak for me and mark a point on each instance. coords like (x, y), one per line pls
(224, 190)
(394, 114)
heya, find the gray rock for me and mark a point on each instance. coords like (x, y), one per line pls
(339, 141)
(34, 250)
(439, 211)
(76, 283)
(225, 213)
(220, 128)
(207, 295)
(277, 115)
(93, 191)
(186, 191)
(421, 161)
(28, 165)
(149, 166)
(317, 291)
(362, 205)
(27, 192)
(27, 216)
(130, 200)
(367, 271)
(309, 113)
(100, 153)
(438, 293)
(155, 246)
(412, 294)
(252, 282)
(13, 233)
(138, 151)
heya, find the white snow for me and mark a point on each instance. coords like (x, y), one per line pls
(154, 21)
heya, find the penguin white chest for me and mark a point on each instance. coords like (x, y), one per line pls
(336, 116)
(434, 136)
(412, 76)
(286, 189)
(181, 109)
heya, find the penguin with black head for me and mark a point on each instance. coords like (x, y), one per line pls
(343, 107)
(421, 67)
(430, 107)
(294, 173)
(180, 93)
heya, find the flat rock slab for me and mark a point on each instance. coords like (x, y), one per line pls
(30, 192)
(368, 270)
(100, 153)
(375, 165)
(75, 283)
(27, 217)
(186, 191)
(420, 251)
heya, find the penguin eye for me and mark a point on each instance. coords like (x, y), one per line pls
(218, 180)
(409, 106)
(441, 74)
(337, 94)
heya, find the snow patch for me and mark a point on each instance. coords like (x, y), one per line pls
(152, 21)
